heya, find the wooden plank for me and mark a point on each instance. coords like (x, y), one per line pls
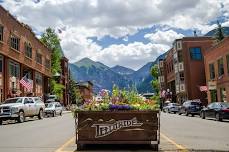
(106, 126)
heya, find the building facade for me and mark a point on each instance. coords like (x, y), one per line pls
(86, 90)
(217, 72)
(64, 80)
(186, 74)
(21, 54)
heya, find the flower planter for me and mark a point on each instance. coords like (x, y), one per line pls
(117, 127)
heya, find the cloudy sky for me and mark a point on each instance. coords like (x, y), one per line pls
(119, 32)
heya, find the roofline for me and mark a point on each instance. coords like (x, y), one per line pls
(26, 26)
(218, 44)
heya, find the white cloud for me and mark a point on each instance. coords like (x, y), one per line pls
(164, 37)
(80, 19)
(133, 55)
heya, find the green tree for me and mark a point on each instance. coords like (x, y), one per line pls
(154, 72)
(74, 92)
(51, 40)
(219, 36)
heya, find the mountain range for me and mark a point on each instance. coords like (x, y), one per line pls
(213, 32)
(104, 77)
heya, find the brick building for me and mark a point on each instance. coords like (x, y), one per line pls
(86, 90)
(167, 76)
(21, 53)
(184, 68)
(64, 80)
(217, 71)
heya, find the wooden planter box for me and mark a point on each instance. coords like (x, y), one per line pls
(117, 127)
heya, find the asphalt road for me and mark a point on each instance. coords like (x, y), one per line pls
(35, 135)
(57, 135)
(195, 133)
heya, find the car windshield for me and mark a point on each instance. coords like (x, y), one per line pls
(175, 104)
(196, 103)
(49, 105)
(13, 100)
(225, 104)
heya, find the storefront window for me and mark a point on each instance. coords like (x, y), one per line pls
(220, 67)
(14, 74)
(228, 63)
(212, 71)
(1, 64)
(14, 69)
(39, 84)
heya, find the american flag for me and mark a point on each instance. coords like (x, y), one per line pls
(27, 83)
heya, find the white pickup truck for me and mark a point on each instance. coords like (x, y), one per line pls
(20, 107)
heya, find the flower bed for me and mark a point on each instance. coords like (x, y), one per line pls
(119, 100)
(122, 118)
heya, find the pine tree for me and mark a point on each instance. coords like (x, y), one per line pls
(219, 36)
(74, 92)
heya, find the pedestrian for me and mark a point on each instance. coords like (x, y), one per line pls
(161, 106)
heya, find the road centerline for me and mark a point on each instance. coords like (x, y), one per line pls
(179, 146)
(65, 145)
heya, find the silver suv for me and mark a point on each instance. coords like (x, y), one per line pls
(20, 107)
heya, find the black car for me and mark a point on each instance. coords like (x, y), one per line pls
(217, 110)
(192, 107)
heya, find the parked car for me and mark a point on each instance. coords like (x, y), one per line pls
(171, 107)
(217, 110)
(20, 107)
(192, 107)
(53, 108)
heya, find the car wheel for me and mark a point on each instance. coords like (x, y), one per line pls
(202, 114)
(0, 122)
(61, 113)
(41, 114)
(21, 117)
(54, 114)
(186, 112)
(218, 117)
(179, 113)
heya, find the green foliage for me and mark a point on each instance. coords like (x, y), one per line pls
(57, 89)
(154, 71)
(155, 85)
(51, 40)
(219, 36)
(74, 93)
(156, 98)
(155, 74)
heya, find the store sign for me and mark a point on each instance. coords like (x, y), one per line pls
(106, 129)
(212, 85)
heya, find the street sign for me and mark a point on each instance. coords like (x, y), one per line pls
(212, 85)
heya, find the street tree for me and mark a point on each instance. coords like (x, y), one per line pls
(155, 74)
(51, 40)
(74, 92)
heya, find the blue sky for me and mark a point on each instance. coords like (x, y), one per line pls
(128, 33)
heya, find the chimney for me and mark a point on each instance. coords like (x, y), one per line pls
(194, 32)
